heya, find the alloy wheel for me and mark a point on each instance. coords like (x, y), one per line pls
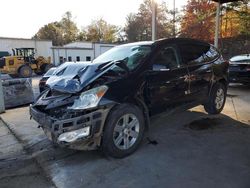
(219, 99)
(126, 131)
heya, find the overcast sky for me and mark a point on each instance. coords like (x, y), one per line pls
(23, 18)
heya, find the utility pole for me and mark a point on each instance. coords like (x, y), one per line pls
(174, 19)
(2, 108)
(154, 20)
(217, 19)
(217, 25)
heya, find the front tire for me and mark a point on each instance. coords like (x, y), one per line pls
(25, 71)
(217, 99)
(123, 132)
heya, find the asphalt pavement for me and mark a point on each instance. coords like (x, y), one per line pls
(188, 149)
(17, 167)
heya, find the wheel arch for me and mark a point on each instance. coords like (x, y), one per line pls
(143, 107)
(222, 80)
(137, 102)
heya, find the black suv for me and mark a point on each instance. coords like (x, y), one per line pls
(108, 103)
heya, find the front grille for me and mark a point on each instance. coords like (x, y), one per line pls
(2, 62)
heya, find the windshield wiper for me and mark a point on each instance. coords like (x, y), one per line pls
(104, 65)
(119, 63)
(81, 71)
(122, 64)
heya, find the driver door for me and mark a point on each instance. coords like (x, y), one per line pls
(167, 83)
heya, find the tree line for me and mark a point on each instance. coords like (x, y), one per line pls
(195, 20)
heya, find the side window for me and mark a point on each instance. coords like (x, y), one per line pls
(88, 58)
(61, 59)
(77, 58)
(194, 53)
(69, 58)
(166, 59)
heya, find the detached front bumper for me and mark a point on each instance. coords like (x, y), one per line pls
(53, 128)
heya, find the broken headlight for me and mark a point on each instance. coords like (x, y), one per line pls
(90, 98)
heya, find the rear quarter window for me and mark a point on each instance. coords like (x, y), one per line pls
(198, 53)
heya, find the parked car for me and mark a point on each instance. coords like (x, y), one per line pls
(108, 103)
(239, 69)
(42, 82)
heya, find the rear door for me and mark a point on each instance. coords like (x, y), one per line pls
(166, 81)
(199, 57)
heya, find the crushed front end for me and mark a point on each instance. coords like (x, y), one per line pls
(76, 129)
(73, 110)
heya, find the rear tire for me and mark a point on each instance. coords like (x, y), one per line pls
(217, 99)
(123, 132)
(25, 71)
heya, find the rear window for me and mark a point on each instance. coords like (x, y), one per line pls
(198, 53)
(241, 59)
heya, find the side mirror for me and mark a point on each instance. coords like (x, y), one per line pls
(157, 67)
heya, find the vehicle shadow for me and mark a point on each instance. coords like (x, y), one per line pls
(188, 122)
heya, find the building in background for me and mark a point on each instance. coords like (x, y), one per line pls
(76, 51)
(79, 51)
(43, 47)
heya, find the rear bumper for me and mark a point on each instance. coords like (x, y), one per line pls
(53, 128)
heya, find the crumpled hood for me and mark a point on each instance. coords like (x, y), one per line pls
(72, 77)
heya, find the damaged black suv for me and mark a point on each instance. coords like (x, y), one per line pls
(108, 103)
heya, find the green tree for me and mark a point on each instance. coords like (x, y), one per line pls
(69, 28)
(236, 18)
(82, 35)
(100, 31)
(199, 20)
(51, 31)
(138, 26)
(131, 28)
(62, 32)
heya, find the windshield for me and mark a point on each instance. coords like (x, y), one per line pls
(131, 55)
(50, 72)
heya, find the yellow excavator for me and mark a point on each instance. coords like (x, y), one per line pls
(23, 63)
